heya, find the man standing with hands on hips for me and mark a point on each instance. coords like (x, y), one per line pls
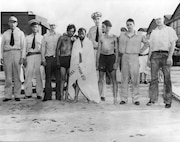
(12, 46)
(162, 44)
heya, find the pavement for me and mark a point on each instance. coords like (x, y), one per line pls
(58, 121)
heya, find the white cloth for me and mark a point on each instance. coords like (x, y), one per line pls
(161, 39)
(85, 72)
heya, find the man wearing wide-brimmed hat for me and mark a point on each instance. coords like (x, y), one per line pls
(33, 60)
(12, 45)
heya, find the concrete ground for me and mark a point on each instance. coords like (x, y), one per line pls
(55, 121)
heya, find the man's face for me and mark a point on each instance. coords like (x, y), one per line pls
(12, 24)
(159, 21)
(97, 21)
(35, 28)
(130, 26)
(105, 28)
(82, 34)
(71, 32)
(52, 27)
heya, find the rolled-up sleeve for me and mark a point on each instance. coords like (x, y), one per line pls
(173, 35)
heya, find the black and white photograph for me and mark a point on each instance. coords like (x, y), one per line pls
(90, 71)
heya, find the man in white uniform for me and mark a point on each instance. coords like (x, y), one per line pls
(33, 60)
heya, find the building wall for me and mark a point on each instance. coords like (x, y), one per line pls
(176, 26)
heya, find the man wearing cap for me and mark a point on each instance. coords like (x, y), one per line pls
(107, 57)
(12, 46)
(48, 52)
(63, 54)
(33, 60)
(130, 47)
(162, 45)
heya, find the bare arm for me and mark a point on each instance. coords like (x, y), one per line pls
(116, 53)
(43, 48)
(98, 52)
(58, 49)
(146, 44)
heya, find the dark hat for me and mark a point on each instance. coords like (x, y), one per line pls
(107, 23)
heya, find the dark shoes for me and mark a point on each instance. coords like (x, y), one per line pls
(122, 102)
(167, 105)
(17, 99)
(150, 103)
(137, 103)
(6, 100)
(27, 97)
(103, 99)
(39, 97)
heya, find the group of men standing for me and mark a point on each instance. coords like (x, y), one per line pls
(74, 59)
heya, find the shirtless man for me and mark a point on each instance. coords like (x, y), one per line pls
(107, 57)
(63, 54)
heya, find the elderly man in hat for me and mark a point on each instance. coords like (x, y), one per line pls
(48, 50)
(33, 60)
(12, 46)
(162, 44)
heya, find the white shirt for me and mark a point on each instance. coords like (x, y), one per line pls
(161, 39)
(49, 44)
(29, 40)
(19, 40)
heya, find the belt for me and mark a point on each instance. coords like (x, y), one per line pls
(10, 50)
(143, 54)
(160, 51)
(33, 53)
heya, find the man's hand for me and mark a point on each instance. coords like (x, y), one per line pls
(25, 63)
(97, 65)
(21, 61)
(148, 63)
(2, 61)
(58, 64)
(169, 61)
(44, 63)
(115, 66)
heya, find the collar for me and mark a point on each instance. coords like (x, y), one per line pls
(135, 33)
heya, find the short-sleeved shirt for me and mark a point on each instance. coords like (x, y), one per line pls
(130, 45)
(161, 39)
(38, 43)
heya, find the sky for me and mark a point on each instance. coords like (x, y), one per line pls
(78, 12)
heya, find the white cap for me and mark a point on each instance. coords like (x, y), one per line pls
(13, 18)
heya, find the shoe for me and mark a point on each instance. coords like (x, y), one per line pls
(150, 103)
(103, 99)
(141, 82)
(145, 82)
(137, 103)
(22, 91)
(17, 99)
(6, 100)
(27, 97)
(39, 97)
(122, 102)
(167, 105)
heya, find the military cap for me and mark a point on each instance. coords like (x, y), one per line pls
(33, 22)
(13, 18)
(96, 14)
